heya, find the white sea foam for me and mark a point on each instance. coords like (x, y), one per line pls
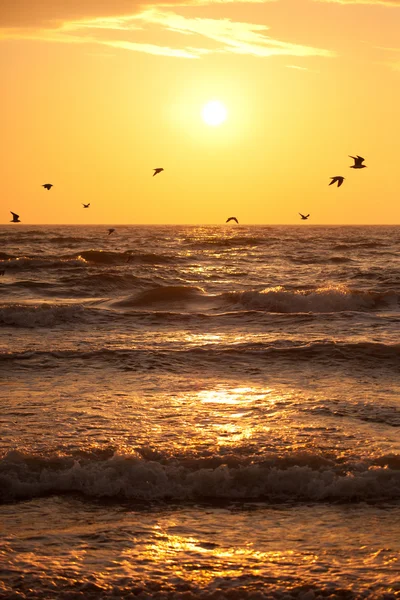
(132, 477)
(320, 300)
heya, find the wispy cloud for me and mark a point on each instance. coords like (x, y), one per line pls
(389, 3)
(297, 68)
(231, 36)
(53, 13)
(159, 50)
(141, 32)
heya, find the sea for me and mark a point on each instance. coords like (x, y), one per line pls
(199, 412)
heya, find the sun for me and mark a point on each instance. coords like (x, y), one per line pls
(214, 113)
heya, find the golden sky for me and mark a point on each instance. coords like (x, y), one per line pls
(97, 93)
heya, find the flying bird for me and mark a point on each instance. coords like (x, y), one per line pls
(15, 218)
(110, 231)
(358, 160)
(338, 179)
(85, 205)
(47, 186)
(232, 219)
(304, 217)
(156, 171)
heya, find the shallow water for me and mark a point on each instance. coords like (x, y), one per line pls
(199, 412)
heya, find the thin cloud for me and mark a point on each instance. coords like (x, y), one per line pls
(297, 67)
(53, 13)
(389, 3)
(120, 31)
(158, 50)
(231, 36)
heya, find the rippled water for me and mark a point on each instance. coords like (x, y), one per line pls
(199, 412)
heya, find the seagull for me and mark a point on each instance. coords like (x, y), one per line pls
(15, 218)
(358, 160)
(304, 217)
(47, 186)
(110, 231)
(85, 205)
(158, 170)
(232, 219)
(338, 179)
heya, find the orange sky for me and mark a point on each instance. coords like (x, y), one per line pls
(97, 93)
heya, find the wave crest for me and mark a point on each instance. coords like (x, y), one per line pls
(135, 478)
(168, 293)
(320, 300)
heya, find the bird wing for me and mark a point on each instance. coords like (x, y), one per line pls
(360, 159)
(333, 181)
(14, 214)
(340, 181)
(302, 216)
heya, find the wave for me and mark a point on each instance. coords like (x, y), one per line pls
(231, 242)
(81, 259)
(24, 263)
(101, 282)
(319, 300)
(41, 315)
(275, 300)
(305, 478)
(371, 355)
(5, 256)
(103, 257)
(363, 245)
(168, 293)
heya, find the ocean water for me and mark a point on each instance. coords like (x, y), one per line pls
(199, 412)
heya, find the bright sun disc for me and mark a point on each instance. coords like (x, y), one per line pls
(214, 113)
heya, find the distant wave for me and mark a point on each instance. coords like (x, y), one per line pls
(277, 299)
(306, 479)
(26, 263)
(104, 257)
(329, 353)
(355, 245)
(319, 260)
(169, 293)
(319, 300)
(40, 315)
(5, 256)
(80, 259)
(231, 241)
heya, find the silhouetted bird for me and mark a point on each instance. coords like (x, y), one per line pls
(339, 179)
(304, 217)
(232, 219)
(110, 231)
(156, 171)
(15, 218)
(47, 186)
(358, 160)
(85, 205)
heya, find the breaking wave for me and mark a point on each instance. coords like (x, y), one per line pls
(133, 477)
(319, 300)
